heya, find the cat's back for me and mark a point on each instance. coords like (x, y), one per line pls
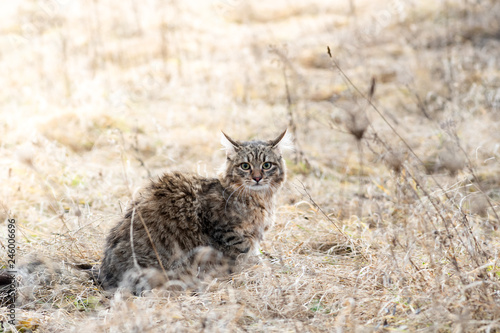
(175, 193)
(176, 186)
(184, 186)
(180, 194)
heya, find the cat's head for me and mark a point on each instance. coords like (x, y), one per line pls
(255, 165)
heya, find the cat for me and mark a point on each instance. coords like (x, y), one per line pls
(186, 222)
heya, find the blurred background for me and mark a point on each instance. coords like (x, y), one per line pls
(397, 132)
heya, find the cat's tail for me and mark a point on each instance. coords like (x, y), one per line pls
(43, 279)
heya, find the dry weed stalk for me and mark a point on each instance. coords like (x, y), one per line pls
(127, 183)
(290, 103)
(357, 125)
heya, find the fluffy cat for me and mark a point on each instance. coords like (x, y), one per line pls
(188, 222)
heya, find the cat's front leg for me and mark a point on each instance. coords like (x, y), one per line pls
(232, 243)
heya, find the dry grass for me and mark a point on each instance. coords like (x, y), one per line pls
(99, 96)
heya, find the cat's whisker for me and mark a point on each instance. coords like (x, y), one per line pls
(245, 192)
(227, 200)
(239, 187)
(224, 192)
(272, 189)
(239, 191)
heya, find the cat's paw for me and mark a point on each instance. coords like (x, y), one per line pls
(140, 281)
(237, 242)
(205, 258)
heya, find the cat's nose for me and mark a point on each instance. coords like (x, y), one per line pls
(257, 178)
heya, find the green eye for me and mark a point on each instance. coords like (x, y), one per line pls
(245, 166)
(267, 165)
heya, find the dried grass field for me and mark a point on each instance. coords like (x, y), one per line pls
(389, 219)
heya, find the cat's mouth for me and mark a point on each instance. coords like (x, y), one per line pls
(258, 187)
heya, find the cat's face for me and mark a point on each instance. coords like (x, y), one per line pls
(255, 165)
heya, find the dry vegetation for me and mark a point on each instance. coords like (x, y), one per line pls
(389, 221)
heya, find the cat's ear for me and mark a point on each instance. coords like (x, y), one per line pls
(230, 146)
(283, 142)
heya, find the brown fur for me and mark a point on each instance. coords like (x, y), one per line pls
(188, 222)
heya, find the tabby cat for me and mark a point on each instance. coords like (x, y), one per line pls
(186, 221)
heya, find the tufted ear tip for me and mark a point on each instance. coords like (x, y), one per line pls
(229, 145)
(283, 142)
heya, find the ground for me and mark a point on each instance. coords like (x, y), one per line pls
(389, 219)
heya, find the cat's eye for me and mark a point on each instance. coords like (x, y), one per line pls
(245, 166)
(267, 165)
